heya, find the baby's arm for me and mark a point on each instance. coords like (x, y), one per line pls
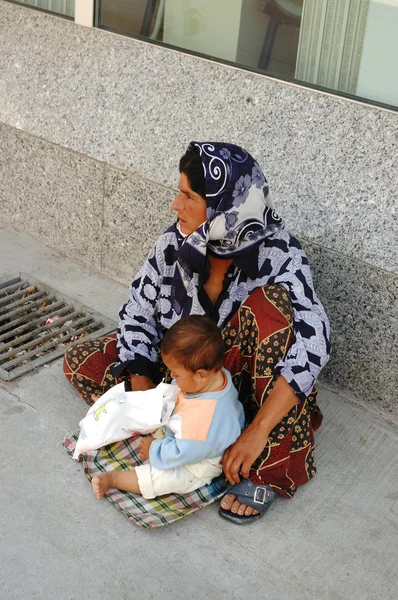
(170, 452)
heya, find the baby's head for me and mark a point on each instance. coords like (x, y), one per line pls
(193, 350)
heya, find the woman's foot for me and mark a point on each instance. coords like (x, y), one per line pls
(229, 502)
(101, 484)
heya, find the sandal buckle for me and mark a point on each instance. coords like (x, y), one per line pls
(260, 495)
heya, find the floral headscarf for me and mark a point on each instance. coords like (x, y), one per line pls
(238, 215)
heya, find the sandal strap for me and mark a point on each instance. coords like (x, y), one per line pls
(256, 496)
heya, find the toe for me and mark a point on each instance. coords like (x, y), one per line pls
(96, 483)
(242, 509)
(250, 511)
(235, 507)
(227, 501)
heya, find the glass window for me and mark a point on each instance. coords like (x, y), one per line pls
(61, 7)
(347, 46)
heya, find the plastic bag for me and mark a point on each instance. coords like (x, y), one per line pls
(118, 414)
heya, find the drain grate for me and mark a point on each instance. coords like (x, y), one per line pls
(37, 323)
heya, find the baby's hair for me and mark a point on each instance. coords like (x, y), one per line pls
(196, 343)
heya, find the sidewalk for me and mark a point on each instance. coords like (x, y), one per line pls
(337, 539)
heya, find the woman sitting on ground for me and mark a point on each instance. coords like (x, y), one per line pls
(228, 257)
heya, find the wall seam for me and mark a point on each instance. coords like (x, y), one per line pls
(102, 235)
(88, 156)
(304, 240)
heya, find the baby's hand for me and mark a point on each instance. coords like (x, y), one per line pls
(145, 444)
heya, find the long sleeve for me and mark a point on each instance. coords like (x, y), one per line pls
(138, 330)
(170, 452)
(311, 348)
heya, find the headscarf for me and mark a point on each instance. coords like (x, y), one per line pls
(239, 215)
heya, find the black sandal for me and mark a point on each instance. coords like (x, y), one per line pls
(259, 497)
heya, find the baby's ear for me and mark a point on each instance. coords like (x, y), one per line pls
(202, 373)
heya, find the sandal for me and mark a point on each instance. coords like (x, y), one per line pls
(259, 497)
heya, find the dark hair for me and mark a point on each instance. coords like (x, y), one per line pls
(191, 164)
(196, 343)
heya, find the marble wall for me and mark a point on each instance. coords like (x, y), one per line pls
(92, 125)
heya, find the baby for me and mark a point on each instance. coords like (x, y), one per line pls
(207, 418)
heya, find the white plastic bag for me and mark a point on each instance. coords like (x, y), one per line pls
(118, 414)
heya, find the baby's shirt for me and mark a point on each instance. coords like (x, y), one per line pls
(200, 428)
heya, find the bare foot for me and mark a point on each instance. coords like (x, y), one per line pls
(101, 484)
(229, 502)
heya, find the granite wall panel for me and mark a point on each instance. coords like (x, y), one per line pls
(362, 304)
(52, 193)
(135, 214)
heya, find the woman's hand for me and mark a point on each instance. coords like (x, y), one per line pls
(239, 457)
(140, 383)
(145, 444)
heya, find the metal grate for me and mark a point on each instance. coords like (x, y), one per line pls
(37, 323)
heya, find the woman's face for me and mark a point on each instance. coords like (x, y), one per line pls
(189, 206)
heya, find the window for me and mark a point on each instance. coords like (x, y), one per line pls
(60, 7)
(346, 46)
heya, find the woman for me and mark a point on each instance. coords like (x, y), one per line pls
(228, 256)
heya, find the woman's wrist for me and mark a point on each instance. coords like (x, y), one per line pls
(260, 427)
(278, 404)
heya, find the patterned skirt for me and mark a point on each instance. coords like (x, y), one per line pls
(257, 337)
